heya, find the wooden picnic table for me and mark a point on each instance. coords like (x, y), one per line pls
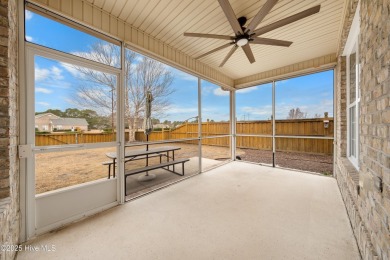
(145, 154)
(139, 154)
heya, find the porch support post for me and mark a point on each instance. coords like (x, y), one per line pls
(120, 129)
(233, 124)
(200, 122)
(273, 124)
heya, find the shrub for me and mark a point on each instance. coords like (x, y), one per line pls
(42, 132)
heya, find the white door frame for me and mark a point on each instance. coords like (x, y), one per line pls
(29, 199)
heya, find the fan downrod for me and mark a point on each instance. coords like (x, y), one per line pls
(242, 21)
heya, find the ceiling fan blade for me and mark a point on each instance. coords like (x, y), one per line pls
(215, 36)
(287, 20)
(229, 13)
(214, 50)
(260, 15)
(268, 41)
(248, 52)
(229, 55)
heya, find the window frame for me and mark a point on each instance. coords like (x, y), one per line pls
(352, 47)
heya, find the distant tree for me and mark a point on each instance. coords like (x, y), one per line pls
(316, 115)
(56, 112)
(73, 112)
(98, 90)
(155, 121)
(296, 113)
(95, 121)
(176, 123)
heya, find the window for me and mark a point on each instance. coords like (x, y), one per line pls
(353, 106)
(57, 34)
(353, 92)
(74, 98)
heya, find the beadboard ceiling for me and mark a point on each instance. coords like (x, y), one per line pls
(167, 20)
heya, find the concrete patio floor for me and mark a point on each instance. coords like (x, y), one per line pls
(135, 188)
(236, 211)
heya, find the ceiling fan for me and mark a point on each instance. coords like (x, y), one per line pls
(243, 36)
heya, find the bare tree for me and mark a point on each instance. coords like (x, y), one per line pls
(296, 113)
(98, 90)
(148, 75)
(316, 115)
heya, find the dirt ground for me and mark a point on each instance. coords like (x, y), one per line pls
(301, 161)
(57, 170)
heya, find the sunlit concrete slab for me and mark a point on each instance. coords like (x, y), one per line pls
(236, 211)
(135, 187)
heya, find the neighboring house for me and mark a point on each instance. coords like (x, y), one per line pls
(50, 122)
(161, 126)
(69, 123)
(43, 121)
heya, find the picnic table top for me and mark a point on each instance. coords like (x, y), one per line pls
(140, 152)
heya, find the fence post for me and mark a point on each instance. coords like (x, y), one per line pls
(77, 141)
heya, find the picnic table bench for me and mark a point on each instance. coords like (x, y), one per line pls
(133, 155)
(109, 163)
(164, 165)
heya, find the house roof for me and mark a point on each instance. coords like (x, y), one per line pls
(70, 121)
(47, 114)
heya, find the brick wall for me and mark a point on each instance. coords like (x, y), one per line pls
(9, 174)
(341, 102)
(369, 209)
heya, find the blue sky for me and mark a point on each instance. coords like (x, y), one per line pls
(55, 83)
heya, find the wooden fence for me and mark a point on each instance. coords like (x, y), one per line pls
(295, 127)
(73, 138)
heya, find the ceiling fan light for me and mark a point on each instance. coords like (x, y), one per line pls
(242, 42)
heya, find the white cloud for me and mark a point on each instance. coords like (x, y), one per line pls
(207, 89)
(259, 111)
(72, 70)
(29, 38)
(54, 73)
(181, 110)
(41, 74)
(55, 84)
(246, 90)
(282, 82)
(28, 15)
(220, 92)
(97, 55)
(139, 58)
(43, 104)
(43, 90)
(325, 105)
(93, 93)
(184, 76)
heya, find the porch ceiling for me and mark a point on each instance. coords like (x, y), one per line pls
(167, 20)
